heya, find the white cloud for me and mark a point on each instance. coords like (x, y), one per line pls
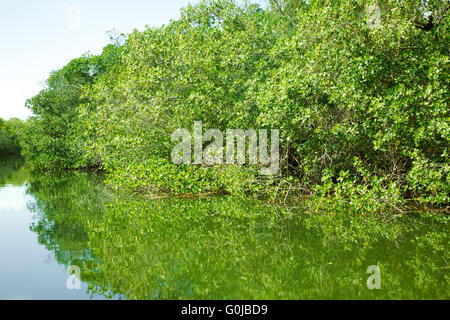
(12, 99)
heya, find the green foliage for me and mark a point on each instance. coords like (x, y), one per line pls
(348, 195)
(344, 90)
(11, 132)
(50, 139)
(337, 87)
(157, 175)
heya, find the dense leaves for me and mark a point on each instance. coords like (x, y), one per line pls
(10, 135)
(50, 138)
(358, 89)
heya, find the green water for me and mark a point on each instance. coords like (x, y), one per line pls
(129, 247)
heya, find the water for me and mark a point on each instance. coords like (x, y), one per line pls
(28, 270)
(130, 247)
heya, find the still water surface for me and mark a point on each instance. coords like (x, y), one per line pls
(209, 248)
(28, 270)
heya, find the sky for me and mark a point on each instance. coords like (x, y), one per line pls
(38, 37)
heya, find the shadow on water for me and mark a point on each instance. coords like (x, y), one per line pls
(230, 248)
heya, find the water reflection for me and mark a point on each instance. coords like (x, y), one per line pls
(229, 248)
(27, 269)
(11, 172)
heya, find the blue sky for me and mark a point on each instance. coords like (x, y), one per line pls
(40, 36)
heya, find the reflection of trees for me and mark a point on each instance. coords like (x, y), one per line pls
(11, 171)
(66, 206)
(226, 248)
